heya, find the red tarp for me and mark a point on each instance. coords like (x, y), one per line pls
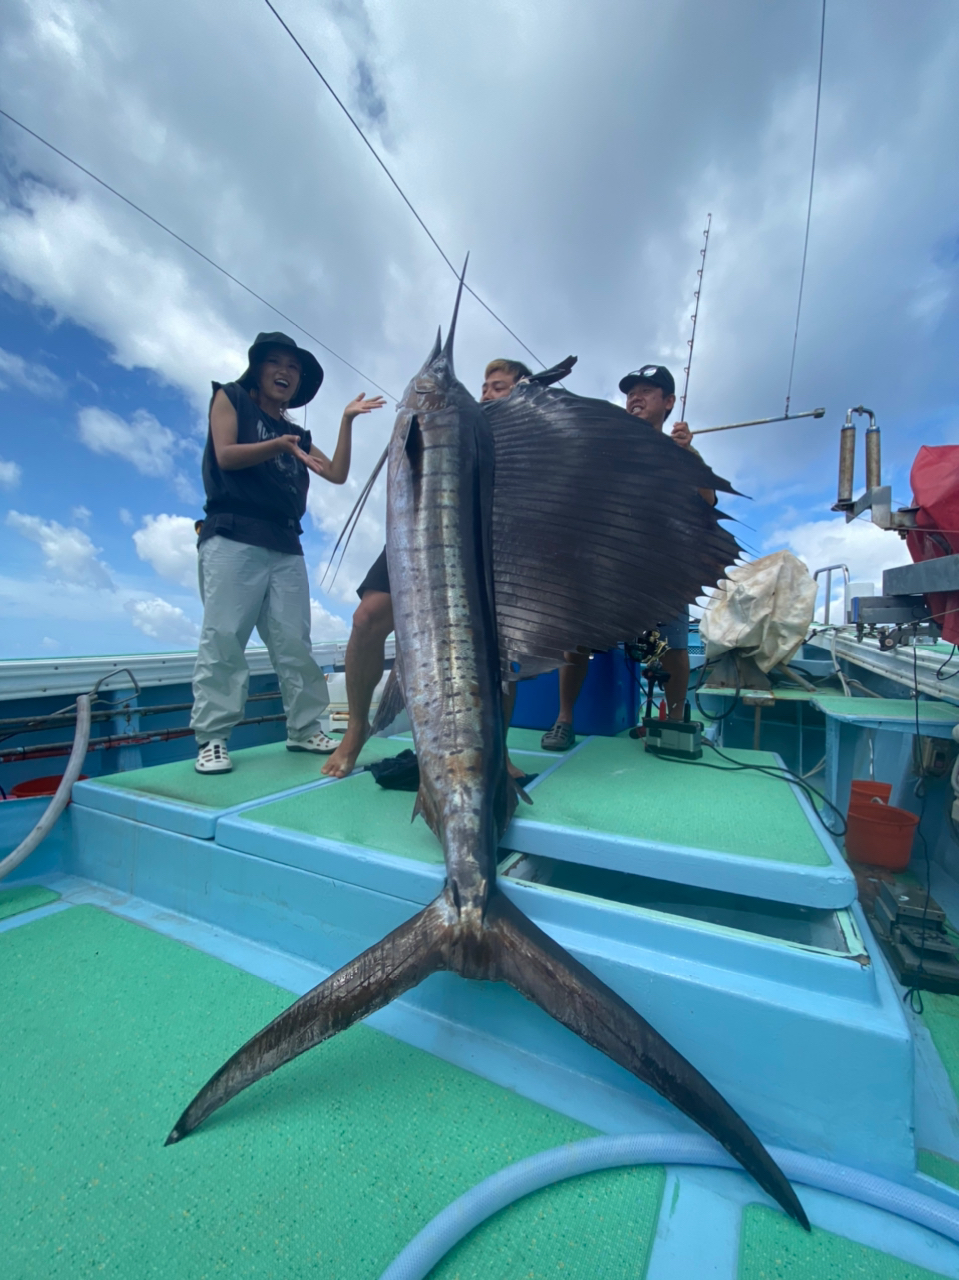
(935, 488)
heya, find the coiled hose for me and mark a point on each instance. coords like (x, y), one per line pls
(61, 798)
(459, 1218)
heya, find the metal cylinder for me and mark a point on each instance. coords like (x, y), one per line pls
(847, 461)
(873, 455)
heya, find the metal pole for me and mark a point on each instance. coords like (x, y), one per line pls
(695, 315)
(760, 422)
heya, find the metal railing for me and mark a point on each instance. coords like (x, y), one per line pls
(828, 570)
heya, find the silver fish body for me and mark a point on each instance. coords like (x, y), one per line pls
(438, 548)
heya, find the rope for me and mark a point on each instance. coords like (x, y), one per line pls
(812, 179)
(193, 249)
(402, 194)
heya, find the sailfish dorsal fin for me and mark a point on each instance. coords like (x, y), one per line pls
(598, 529)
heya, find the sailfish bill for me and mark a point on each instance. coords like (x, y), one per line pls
(475, 604)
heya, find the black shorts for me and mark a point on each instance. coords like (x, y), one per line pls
(377, 577)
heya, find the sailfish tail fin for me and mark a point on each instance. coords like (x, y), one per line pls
(400, 961)
(544, 973)
(506, 946)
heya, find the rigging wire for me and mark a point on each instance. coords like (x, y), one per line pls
(812, 179)
(193, 249)
(403, 196)
(695, 316)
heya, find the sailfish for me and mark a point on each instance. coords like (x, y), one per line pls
(515, 531)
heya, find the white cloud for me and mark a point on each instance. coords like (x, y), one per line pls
(344, 257)
(69, 555)
(168, 543)
(29, 375)
(865, 548)
(81, 515)
(163, 621)
(325, 625)
(143, 441)
(125, 516)
(10, 474)
(78, 618)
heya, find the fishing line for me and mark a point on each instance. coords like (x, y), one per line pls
(193, 249)
(812, 179)
(403, 196)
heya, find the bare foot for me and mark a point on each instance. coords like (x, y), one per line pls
(343, 759)
(513, 771)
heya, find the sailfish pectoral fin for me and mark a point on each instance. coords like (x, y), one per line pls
(380, 974)
(542, 971)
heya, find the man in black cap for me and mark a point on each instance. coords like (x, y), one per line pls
(650, 394)
(256, 467)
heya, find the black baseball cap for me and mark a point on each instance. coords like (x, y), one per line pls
(311, 371)
(654, 374)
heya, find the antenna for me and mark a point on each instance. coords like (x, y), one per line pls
(695, 316)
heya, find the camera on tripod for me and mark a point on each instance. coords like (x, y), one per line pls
(679, 739)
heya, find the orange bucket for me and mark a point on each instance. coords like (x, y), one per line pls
(881, 835)
(862, 789)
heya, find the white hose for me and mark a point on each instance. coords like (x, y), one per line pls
(835, 663)
(62, 797)
(459, 1218)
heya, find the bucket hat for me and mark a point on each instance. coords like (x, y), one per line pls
(311, 371)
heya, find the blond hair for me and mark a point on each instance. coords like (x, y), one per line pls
(515, 368)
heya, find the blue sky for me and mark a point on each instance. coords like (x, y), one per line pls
(575, 159)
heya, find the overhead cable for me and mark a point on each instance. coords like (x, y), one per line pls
(812, 179)
(193, 249)
(405, 198)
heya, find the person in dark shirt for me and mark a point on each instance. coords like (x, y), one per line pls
(256, 473)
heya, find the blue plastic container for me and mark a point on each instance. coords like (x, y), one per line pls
(606, 706)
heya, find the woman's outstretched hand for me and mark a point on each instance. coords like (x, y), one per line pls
(362, 405)
(291, 445)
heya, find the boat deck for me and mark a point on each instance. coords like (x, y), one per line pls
(708, 897)
(607, 803)
(327, 1168)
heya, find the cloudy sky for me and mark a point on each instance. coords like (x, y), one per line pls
(574, 151)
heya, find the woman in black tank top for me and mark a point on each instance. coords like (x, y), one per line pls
(256, 473)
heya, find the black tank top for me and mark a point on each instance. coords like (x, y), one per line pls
(261, 505)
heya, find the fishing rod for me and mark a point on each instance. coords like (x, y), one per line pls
(760, 422)
(695, 315)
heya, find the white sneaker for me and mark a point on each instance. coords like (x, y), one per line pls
(213, 757)
(318, 743)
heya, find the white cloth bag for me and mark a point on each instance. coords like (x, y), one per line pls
(763, 609)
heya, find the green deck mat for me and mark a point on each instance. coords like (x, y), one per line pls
(324, 1170)
(24, 897)
(612, 785)
(901, 709)
(773, 1247)
(939, 1167)
(941, 1015)
(257, 772)
(361, 813)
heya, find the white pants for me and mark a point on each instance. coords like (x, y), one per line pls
(241, 587)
